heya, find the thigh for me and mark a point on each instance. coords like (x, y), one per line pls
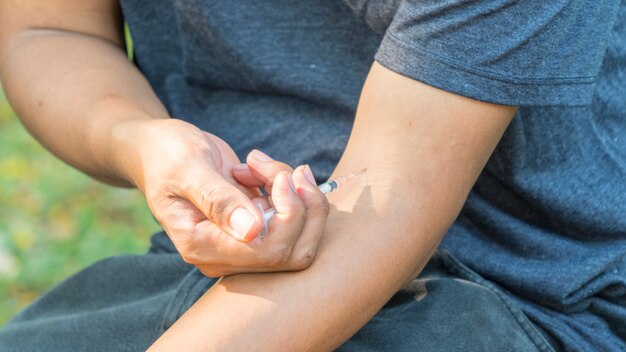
(439, 311)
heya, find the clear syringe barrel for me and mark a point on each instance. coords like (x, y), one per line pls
(328, 186)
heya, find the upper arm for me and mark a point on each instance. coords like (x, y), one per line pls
(423, 149)
(418, 133)
(97, 18)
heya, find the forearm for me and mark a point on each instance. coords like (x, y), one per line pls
(71, 90)
(353, 275)
(421, 163)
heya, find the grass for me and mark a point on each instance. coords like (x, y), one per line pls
(54, 220)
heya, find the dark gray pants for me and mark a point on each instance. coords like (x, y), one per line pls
(125, 303)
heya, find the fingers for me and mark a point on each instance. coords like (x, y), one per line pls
(223, 245)
(286, 201)
(243, 175)
(300, 219)
(210, 208)
(223, 204)
(260, 170)
(295, 231)
(225, 152)
(317, 209)
(286, 225)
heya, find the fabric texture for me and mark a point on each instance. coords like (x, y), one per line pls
(545, 224)
(505, 51)
(547, 218)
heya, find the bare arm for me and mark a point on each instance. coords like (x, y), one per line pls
(66, 74)
(423, 149)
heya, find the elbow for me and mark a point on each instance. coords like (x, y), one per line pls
(13, 38)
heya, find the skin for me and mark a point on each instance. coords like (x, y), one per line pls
(93, 109)
(422, 147)
(382, 228)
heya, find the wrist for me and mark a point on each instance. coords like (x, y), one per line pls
(127, 139)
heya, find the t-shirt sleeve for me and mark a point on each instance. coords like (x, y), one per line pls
(507, 52)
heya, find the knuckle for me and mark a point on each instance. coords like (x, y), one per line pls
(215, 201)
(322, 206)
(299, 206)
(318, 202)
(186, 184)
(279, 257)
(181, 228)
(210, 156)
(303, 260)
(216, 155)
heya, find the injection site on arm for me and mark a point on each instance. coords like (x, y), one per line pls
(386, 228)
(326, 188)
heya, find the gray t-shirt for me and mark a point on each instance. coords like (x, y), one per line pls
(546, 220)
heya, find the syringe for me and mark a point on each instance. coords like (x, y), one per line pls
(326, 188)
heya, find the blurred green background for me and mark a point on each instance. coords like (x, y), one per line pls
(54, 220)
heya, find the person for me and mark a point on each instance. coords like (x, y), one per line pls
(489, 215)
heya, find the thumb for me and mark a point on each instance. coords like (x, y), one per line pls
(225, 205)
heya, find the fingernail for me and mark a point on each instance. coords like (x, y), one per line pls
(309, 175)
(260, 156)
(241, 220)
(291, 184)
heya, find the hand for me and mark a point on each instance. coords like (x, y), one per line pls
(208, 203)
